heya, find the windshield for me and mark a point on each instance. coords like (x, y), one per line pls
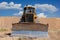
(30, 10)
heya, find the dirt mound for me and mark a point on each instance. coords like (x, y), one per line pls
(54, 25)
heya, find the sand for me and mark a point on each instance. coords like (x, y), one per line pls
(54, 28)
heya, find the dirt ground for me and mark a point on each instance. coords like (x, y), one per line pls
(53, 30)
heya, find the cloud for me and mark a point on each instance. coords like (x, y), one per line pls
(41, 15)
(46, 7)
(18, 14)
(11, 5)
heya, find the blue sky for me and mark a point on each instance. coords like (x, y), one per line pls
(44, 8)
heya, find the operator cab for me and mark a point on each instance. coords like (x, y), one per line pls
(29, 14)
(29, 10)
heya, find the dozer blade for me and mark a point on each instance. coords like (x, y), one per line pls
(29, 26)
(30, 30)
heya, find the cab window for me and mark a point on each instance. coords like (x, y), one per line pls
(30, 10)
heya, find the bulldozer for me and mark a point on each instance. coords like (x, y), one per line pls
(28, 23)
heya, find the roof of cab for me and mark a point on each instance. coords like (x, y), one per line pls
(29, 7)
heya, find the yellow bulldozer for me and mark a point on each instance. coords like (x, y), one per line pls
(27, 24)
(28, 21)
